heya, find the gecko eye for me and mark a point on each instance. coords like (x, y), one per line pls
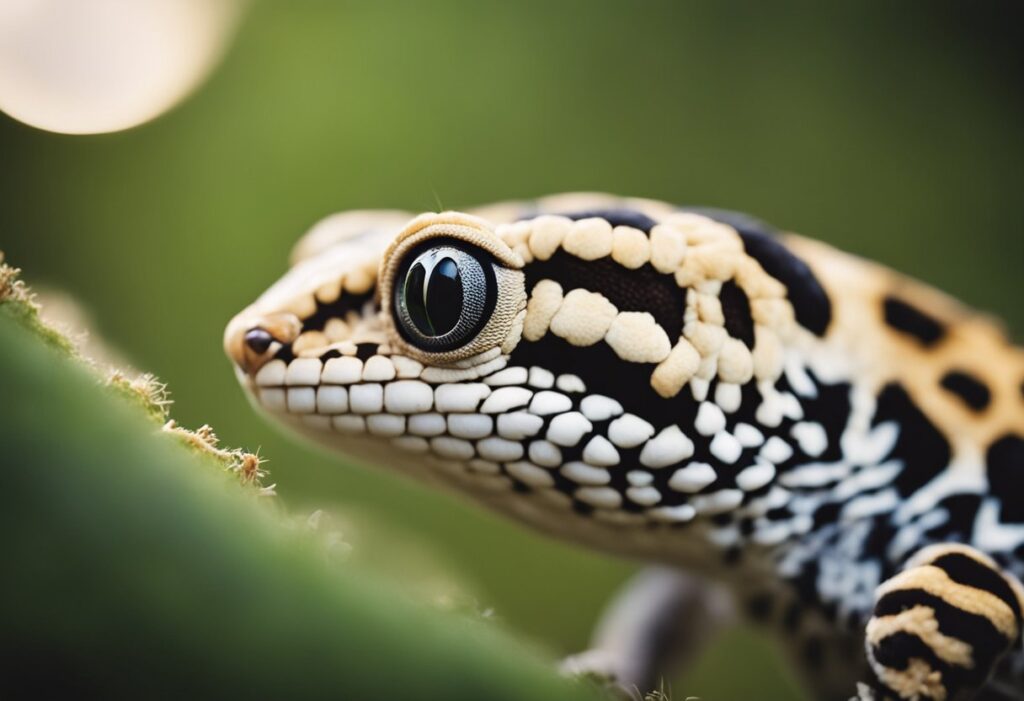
(443, 295)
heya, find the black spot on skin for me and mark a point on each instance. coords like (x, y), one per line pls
(603, 372)
(897, 650)
(954, 622)
(968, 388)
(968, 571)
(365, 351)
(617, 217)
(640, 290)
(963, 511)
(878, 541)
(827, 513)
(911, 321)
(810, 302)
(920, 446)
(736, 308)
(831, 408)
(339, 308)
(1005, 461)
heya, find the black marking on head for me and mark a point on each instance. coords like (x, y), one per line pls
(1005, 474)
(603, 372)
(365, 351)
(640, 290)
(339, 308)
(908, 319)
(968, 388)
(965, 570)
(810, 302)
(922, 448)
(617, 217)
(736, 307)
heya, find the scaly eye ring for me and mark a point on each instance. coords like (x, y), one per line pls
(444, 294)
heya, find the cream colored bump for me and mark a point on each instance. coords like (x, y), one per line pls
(589, 239)
(773, 313)
(310, 341)
(709, 309)
(524, 252)
(514, 234)
(708, 368)
(767, 355)
(544, 302)
(690, 273)
(735, 363)
(360, 280)
(675, 371)
(717, 260)
(302, 306)
(755, 281)
(336, 329)
(694, 225)
(637, 338)
(668, 248)
(329, 292)
(515, 333)
(706, 338)
(583, 318)
(630, 247)
(704, 230)
(690, 312)
(547, 234)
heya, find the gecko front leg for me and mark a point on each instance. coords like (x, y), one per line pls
(940, 626)
(654, 626)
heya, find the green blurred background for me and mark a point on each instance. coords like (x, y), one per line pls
(892, 130)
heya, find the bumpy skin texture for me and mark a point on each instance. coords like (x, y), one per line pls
(842, 448)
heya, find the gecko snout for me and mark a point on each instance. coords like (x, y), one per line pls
(252, 341)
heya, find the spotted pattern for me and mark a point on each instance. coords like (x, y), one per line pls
(686, 386)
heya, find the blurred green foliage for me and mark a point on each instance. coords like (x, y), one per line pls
(140, 571)
(888, 129)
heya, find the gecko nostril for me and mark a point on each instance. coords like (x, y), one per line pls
(258, 340)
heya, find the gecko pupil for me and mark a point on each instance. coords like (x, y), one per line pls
(434, 298)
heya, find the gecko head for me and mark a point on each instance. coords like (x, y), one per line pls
(605, 366)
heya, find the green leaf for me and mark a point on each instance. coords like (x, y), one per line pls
(132, 569)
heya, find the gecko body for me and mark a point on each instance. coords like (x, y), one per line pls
(839, 446)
